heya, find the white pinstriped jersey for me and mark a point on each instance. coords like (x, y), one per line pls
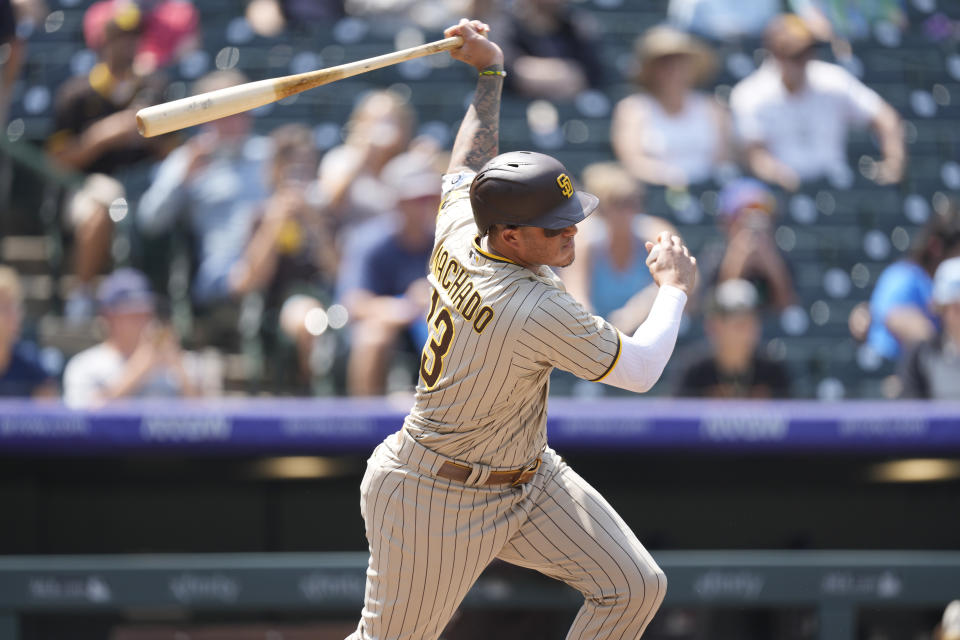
(496, 331)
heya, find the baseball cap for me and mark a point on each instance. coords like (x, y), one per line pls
(946, 282)
(410, 176)
(126, 290)
(734, 296)
(745, 193)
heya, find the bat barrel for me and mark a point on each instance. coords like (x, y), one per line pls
(187, 112)
(193, 110)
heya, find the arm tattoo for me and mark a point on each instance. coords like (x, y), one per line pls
(478, 138)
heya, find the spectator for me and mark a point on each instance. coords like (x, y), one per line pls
(900, 311)
(932, 368)
(21, 372)
(140, 357)
(291, 256)
(552, 50)
(95, 132)
(170, 30)
(380, 127)
(219, 186)
(730, 366)
(670, 134)
(383, 276)
(610, 275)
(722, 19)
(746, 212)
(793, 113)
(949, 627)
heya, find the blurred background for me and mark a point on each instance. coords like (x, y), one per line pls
(203, 335)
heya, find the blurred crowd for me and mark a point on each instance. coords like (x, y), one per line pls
(307, 263)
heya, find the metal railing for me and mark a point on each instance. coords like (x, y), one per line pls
(835, 583)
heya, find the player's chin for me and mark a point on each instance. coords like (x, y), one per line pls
(568, 258)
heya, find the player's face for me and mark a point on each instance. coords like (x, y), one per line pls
(551, 247)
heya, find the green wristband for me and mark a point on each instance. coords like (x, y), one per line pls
(494, 72)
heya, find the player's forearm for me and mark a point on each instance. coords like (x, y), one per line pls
(477, 140)
(644, 355)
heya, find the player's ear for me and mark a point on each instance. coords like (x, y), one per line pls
(509, 236)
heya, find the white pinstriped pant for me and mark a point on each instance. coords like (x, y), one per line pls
(430, 539)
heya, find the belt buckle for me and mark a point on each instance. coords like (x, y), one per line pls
(532, 467)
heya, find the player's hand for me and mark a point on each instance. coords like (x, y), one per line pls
(670, 262)
(476, 50)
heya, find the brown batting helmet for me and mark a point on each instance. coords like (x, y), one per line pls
(527, 189)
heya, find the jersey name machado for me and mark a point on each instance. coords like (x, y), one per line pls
(497, 330)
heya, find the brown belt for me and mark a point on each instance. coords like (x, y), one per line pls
(460, 473)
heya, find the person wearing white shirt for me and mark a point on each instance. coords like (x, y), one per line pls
(140, 356)
(669, 133)
(793, 114)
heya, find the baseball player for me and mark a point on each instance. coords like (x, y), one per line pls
(470, 477)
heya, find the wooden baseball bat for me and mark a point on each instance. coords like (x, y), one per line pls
(204, 107)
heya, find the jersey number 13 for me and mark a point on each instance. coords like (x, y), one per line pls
(440, 323)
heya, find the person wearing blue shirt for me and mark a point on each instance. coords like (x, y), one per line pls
(22, 373)
(900, 313)
(932, 368)
(903, 288)
(382, 276)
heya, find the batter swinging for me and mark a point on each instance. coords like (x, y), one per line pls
(470, 477)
